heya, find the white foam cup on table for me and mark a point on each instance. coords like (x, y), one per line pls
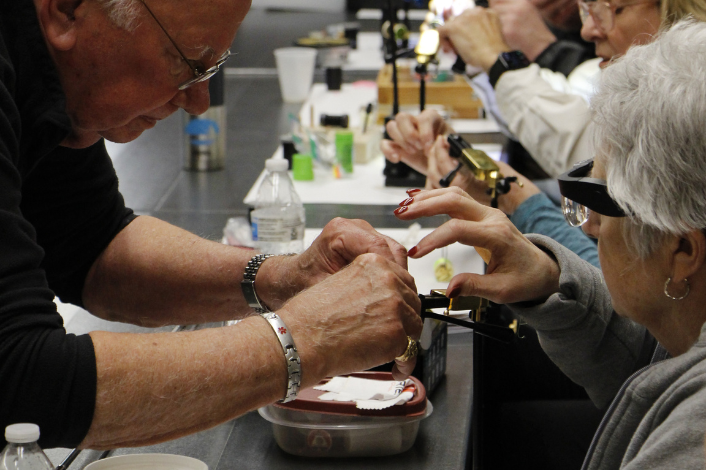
(295, 69)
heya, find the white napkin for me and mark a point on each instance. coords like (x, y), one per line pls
(366, 393)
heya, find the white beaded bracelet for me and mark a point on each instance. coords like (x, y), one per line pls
(290, 355)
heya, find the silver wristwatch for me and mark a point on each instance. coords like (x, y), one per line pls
(248, 282)
(291, 356)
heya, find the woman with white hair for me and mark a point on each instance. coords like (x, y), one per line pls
(635, 333)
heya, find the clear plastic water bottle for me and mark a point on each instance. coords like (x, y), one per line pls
(278, 219)
(22, 451)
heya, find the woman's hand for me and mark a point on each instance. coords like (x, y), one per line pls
(523, 27)
(412, 137)
(475, 35)
(440, 164)
(518, 270)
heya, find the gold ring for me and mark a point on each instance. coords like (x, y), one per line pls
(410, 352)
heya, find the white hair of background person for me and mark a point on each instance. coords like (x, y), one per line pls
(650, 115)
(123, 13)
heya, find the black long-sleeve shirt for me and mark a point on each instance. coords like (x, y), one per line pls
(59, 209)
(566, 53)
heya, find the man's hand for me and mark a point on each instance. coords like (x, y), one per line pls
(523, 27)
(340, 242)
(476, 35)
(355, 319)
(412, 137)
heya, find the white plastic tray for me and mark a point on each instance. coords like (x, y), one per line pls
(148, 462)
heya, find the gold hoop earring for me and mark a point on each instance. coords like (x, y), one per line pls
(666, 291)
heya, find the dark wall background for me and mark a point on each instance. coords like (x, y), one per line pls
(355, 5)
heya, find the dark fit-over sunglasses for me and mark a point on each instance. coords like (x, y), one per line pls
(582, 194)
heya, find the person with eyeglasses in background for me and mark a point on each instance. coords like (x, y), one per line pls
(547, 33)
(545, 111)
(633, 334)
(75, 72)
(549, 117)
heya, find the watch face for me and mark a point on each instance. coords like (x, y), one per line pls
(514, 60)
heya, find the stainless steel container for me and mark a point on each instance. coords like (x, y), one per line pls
(205, 135)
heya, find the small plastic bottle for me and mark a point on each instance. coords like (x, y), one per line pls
(278, 220)
(22, 451)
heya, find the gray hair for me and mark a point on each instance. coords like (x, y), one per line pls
(123, 13)
(650, 116)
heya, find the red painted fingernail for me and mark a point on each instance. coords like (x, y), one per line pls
(400, 210)
(407, 201)
(412, 251)
(453, 293)
(412, 192)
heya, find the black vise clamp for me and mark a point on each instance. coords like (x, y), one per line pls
(476, 307)
(481, 166)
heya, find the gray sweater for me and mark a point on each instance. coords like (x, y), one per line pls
(657, 417)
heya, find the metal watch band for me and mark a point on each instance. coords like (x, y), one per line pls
(290, 355)
(248, 282)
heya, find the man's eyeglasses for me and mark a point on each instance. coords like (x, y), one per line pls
(603, 13)
(200, 75)
(582, 194)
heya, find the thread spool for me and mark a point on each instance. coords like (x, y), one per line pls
(334, 121)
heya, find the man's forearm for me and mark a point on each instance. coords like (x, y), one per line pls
(156, 274)
(160, 386)
(156, 387)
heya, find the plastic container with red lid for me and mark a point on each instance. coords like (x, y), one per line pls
(311, 427)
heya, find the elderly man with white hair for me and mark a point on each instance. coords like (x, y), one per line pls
(633, 335)
(75, 72)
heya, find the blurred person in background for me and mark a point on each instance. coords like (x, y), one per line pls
(547, 113)
(420, 141)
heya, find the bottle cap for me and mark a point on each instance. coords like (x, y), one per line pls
(22, 433)
(276, 164)
(334, 78)
(345, 137)
(327, 120)
(302, 167)
(344, 150)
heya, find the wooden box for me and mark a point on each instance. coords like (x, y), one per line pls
(455, 95)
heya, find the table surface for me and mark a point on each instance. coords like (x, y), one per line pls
(366, 185)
